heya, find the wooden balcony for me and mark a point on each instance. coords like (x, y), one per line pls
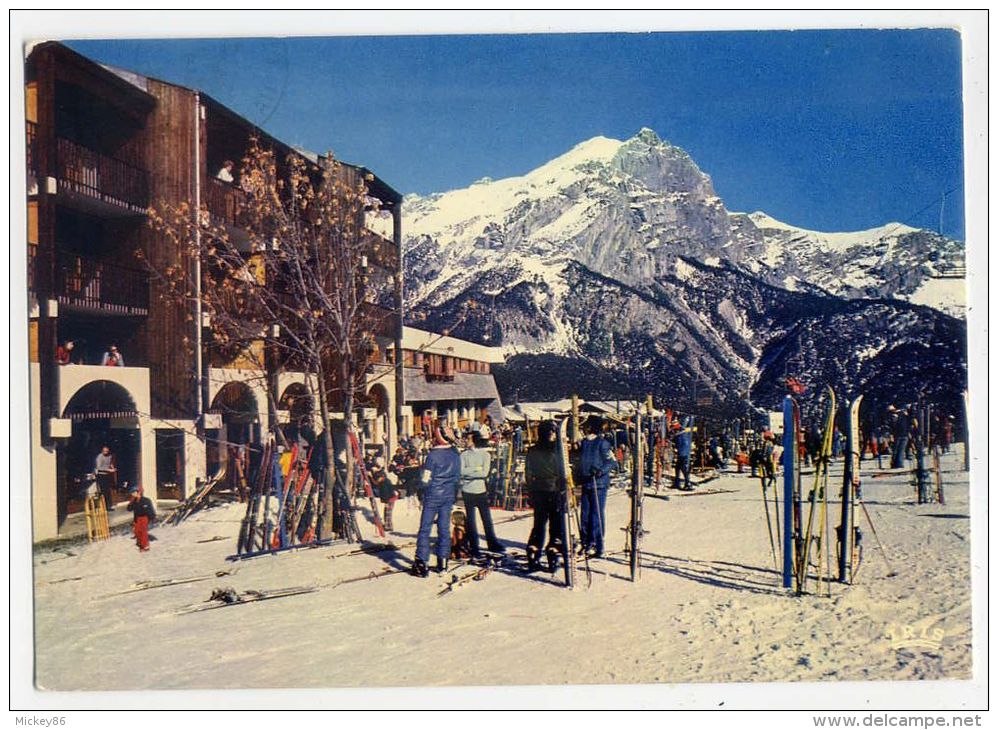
(101, 287)
(225, 203)
(99, 183)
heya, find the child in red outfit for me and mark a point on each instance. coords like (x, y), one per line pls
(144, 512)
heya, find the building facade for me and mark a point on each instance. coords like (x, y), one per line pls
(449, 379)
(103, 145)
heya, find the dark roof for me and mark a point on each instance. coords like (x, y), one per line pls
(464, 386)
(133, 100)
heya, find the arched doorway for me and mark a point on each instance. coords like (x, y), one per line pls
(103, 414)
(237, 406)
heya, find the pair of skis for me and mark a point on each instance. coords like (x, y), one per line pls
(819, 493)
(570, 519)
(798, 539)
(261, 492)
(635, 528)
(850, 537)
(362, 476)
(796, 546)
(195, 502)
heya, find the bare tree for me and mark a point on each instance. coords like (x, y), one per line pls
(287, 282)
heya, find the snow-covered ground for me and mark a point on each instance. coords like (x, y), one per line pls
(708, 606)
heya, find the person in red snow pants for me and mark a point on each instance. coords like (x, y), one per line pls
(143, 511)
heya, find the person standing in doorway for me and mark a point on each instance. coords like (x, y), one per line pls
(107, 475)
(225, 173)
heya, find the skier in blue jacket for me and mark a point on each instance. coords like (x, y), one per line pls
(682, 440)
(440, 480)
(596, 462)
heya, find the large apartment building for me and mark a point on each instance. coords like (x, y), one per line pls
(102, 146)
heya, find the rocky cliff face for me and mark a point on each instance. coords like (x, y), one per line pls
(615, 270)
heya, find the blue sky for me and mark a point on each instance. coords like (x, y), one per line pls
(830, 130)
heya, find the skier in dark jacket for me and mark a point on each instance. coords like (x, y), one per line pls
(595, 464)
(440, 478)
(901, 430)
(143, 513)
(767, 464)
(546, 487)
(383, 485)
(682, 440)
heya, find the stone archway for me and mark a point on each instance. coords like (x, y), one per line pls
(237, 406)
(103, 413)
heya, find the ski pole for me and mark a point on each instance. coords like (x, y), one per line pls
(769, 524)
(890, 571)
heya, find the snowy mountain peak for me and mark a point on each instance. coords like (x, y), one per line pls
(626, 210)
(617, 267)
(648, 136)
(595, 150)
(661, 166)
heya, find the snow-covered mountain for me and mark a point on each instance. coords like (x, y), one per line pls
(890, 261)
(616, 268)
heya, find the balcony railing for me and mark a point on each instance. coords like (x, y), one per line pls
(381, 250)
(32, 257)
(102, 286)
(225, 203)
(98, 176)
(30, 143)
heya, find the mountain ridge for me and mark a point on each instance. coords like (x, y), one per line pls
(590, 256)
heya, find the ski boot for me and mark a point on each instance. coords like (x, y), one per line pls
(441, 566)
(533, 560)
(553, 555)
(419, 569)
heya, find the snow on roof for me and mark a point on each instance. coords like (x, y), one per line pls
(437, 344)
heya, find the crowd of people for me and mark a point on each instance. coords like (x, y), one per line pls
(445, 467)
(440, 466)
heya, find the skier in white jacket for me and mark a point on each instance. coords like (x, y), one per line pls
(476, 463)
